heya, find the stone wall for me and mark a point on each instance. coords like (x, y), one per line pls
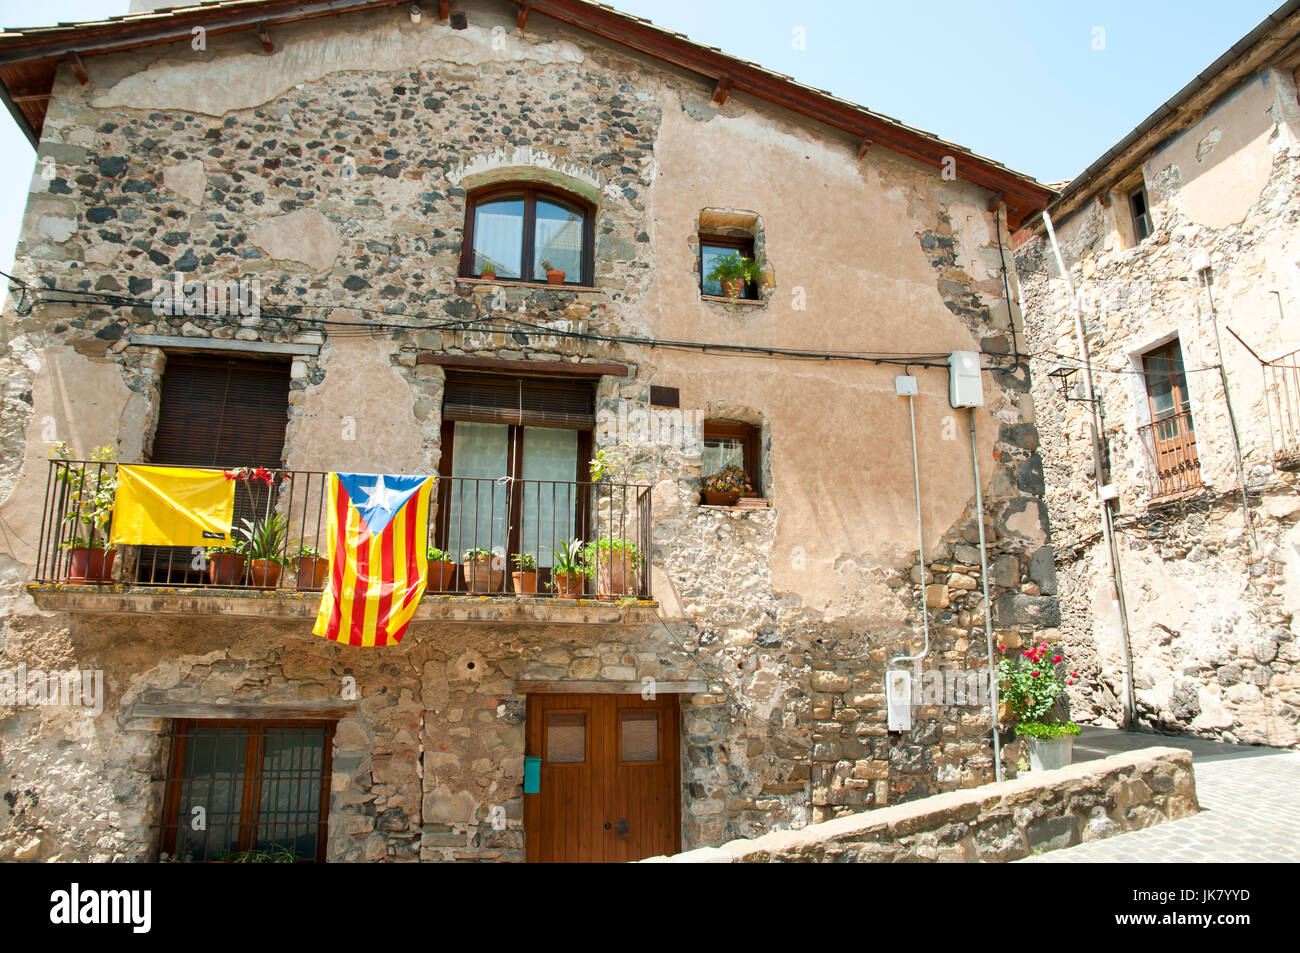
(1211, 610)
(340, 187)
(996, 823)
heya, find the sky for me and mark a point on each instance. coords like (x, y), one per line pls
(1043, 86)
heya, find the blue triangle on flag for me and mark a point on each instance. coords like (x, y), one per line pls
(378, 496)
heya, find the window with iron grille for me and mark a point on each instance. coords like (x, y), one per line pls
(247, 790)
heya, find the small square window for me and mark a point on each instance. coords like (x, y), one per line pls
(638, 735)
(730, 443)
(566, 737)
(713, 248)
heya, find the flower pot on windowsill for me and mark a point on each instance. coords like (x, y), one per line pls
(488, 275)
(554, 276)
(525, 583)
(733, 288)
(442, 576)
(90, 565)
(226, 569)
(312, 572)
(721, 499)
(264, 573)
(480, 576)
(568, 585)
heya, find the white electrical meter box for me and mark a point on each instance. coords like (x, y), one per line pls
(965, 388)
(905, 385)
(898, 699)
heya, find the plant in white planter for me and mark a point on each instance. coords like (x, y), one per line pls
(1029, 685)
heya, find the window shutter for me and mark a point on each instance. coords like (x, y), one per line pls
(222, 413)
(526, 401)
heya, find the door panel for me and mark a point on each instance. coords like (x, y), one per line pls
(622, 801)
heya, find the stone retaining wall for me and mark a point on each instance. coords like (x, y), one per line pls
(997, 822)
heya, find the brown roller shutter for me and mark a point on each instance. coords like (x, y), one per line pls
(222, 413)
(526, 401)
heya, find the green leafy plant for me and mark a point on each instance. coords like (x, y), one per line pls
(524, 562)
(545, 264)
(600, 550)
(570, 559)
(89, 496)
(436, 555)
(730, 479)
(307, 552)
(265, 538)
(734, 267)
(475, 555)
(229, 550)
(1030, 685)
(275, 854)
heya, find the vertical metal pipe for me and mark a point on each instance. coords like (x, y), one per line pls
(988, 613)
(1232, 418)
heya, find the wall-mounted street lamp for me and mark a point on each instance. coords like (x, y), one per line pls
(1063, 375)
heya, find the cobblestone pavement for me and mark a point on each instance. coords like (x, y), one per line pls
(1250, 811)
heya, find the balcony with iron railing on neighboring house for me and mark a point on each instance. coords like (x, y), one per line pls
(1282, 403)
(1169, 449)
(517, 528)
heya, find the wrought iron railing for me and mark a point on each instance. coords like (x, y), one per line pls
(1171, 460)
(1282, 402)
(500, 537)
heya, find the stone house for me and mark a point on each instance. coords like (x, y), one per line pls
(1183, 247)
(333, 179)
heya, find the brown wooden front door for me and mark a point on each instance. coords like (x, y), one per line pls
(610, 788)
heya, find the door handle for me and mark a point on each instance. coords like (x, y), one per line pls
(621, 828)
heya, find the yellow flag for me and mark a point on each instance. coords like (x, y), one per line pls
(172, 506)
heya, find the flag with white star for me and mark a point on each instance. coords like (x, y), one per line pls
(378, 531)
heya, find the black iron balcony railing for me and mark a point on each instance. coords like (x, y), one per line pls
(496, 537)
(1171, 461)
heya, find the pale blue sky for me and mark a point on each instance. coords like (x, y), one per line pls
(1020, 81)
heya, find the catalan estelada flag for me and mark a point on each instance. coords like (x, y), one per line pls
(172, 506)
(378, 528)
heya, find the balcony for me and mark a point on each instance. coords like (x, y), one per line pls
(1172, 465)
(516, 527)
(1282, 402)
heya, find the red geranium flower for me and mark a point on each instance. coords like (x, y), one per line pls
(1056, 658)
(1033, 674)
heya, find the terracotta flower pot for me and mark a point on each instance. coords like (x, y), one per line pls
(312, 572)
(554, 277)
(226, 569)
(568, 586)
(480, 576)
(442, 576)
(525, 583)
(264, 573)
(488, 275)
(90, 565)
(615, 574)
(733, 287)
(721, 499)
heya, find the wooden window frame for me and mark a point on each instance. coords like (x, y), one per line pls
(251, 788)
(751, 435)
(530, 194)
(746, 248)
(1129, 195)
(661, 731)
(1182, 402)
(586, 737)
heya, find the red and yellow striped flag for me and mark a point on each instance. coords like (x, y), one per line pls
(378, 529)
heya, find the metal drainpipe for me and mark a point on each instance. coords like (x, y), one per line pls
(920, 547)
(988, 616)
(1112, 552)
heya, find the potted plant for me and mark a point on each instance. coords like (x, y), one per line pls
(733, 272)
(484, 570)
(525, 575)
(89, 499)
(554, 276)
(225, 565)
(442, 570)
(1030, 684)
(312, 567)
(569, 569)
(264, 546)
(489, 272)
(725, 487)
(616, 562)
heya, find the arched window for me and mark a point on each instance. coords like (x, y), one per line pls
(517, 231)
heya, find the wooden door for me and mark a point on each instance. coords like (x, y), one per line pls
(610, 789)
(1172, 437)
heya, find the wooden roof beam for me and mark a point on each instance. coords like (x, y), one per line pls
(721, 91)
(78, 68)
(863, 147)
(521, 20)
(264, 34)
(444, 10)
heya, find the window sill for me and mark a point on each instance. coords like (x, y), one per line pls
(725, 300)
(746, 503)
(496, 283)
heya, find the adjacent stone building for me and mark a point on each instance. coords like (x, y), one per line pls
(363, 166)
(1209, 181)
